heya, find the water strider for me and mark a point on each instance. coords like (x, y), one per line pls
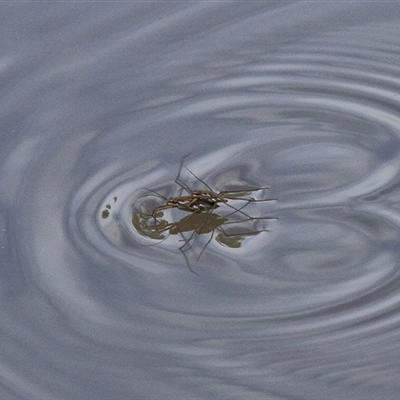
(203, 200)
(201, 204)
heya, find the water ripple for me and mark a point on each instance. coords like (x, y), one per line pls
(306, 308)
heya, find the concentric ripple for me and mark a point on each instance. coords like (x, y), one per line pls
(98, 304)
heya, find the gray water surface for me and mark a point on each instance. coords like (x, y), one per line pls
(100, 102)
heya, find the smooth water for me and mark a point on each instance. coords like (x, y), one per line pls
(100, 102)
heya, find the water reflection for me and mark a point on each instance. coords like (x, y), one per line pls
(231, 232)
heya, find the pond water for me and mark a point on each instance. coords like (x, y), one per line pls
(101, 102)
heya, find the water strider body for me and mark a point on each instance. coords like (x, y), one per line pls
(197, 201)
(204, 200)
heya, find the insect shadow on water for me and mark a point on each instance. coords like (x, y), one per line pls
(232, 225)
